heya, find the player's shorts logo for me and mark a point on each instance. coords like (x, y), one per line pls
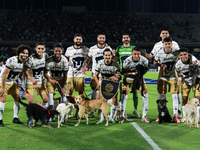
(109, 87)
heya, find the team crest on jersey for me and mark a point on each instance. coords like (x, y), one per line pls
(109, 89)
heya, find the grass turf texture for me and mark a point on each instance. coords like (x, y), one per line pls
(115, 136)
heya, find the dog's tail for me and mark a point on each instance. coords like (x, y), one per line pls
(24, 104)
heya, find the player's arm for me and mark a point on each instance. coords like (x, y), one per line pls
(86, 62)
(149, 56)
(46, 75)
(4, 76)
(116, 58)
(28, 76)
(96, 77)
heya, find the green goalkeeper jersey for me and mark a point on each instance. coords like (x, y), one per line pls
(123, 52)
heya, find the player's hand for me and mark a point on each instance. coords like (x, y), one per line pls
(70, 63)
(53, 81)
(98, 86)
(113, 78)
(34, 82)
(194, 62)
(118, 76)
(181, 81)
(84, 69)
(163, 66)
(2, 92)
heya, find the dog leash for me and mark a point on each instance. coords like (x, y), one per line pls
(183, 87)
(90, 93)
(163, 73)
(62, 92)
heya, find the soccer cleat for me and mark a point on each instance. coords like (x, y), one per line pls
(17, 121)
(157, 120)
(111, 120)
(52, 119)
(121, 120)
(91, 115)
(179, 115)
(175, 119)
(136, 113)
(183, 119)
(1, 123)
(145, 119)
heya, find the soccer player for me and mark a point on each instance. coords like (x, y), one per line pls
(107, 68)
(57, 66)
(129, 70)
(34, 69)
(76, 54)
(122, 52)
(96, 53)
(182, 68)
(12, 69)
(166, 58)
(164, 34)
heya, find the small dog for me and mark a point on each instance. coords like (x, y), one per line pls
(64, 110)
(86, 106)
(164, 115)
(36, 112)
(191, 112)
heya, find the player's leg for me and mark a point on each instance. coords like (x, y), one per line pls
(50, 91)
(43, 94)
(22, 94)
(2, 104)
(61, 91)
(113, 108)
(70, 86)
(30, 90)
(179, 97)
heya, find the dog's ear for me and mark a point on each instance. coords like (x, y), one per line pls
(157, 101)
(165, 100)
(82, 95)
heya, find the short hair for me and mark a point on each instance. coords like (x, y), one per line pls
(58, 45)
(136, 49)
(40, 43)
(101, 34)
(165, 29)
(126, 34)
(78, 34)
(183, 49)
(22, 47)
(107, 50)
(168, 39)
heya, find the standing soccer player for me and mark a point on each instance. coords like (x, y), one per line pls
(166, 58)
(57, 65)
(108, 69)
(129, 70)
(76, 54)
(122, 52)
(96, 53)
(34, 69)
(12, 69)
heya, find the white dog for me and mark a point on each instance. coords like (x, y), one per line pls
(191, 112)
(64, 110)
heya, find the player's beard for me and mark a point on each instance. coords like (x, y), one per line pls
(108, 61)
(126, 42)
(100, 42)
(78, 44)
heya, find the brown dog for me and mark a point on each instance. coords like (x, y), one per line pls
(88, 106)
(191, 112)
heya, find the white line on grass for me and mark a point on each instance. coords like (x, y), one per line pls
(147, 138)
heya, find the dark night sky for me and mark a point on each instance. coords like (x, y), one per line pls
(176, 6)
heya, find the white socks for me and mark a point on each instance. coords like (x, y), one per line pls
(161, 97)
(179, 101)
(145, 104)
(183, 111)
(16, 108)
(123, 97)
(50, 101)
(1, 109)
(45, 104)
(175, 104)
(64, 99)
(198, 108)
(112, 111)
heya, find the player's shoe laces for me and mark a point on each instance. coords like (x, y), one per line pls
(145, 119)
(136, 113)
(1, 123)
(91, 115)
(17, 121)
(121, 120)
(157, 120)
(175, 119)
(111, 120)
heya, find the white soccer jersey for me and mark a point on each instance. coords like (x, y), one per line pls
(77, 57)
(36, 66)
(15, 69)
(56, 69)
(159, 45)
(130, 65)
(182, 68)
(1, 68)
(107, 71)
(169, 59)
(97, 54)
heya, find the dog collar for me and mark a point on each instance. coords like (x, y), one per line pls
(49, 113)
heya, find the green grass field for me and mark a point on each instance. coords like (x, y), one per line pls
(116, 136)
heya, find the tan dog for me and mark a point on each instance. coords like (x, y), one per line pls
(86, 106)
(191, 112)
(64, 110)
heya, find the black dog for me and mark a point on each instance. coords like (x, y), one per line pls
(138, 80)
(164, 115)
(36, 112)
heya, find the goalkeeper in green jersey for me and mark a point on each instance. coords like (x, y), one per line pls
(122, 52)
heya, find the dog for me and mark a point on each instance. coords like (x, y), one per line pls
(117, 114)
(191, 112)
(86, 106)
(138, 79)
(64, 110)
(36, 112)
(164, 115)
